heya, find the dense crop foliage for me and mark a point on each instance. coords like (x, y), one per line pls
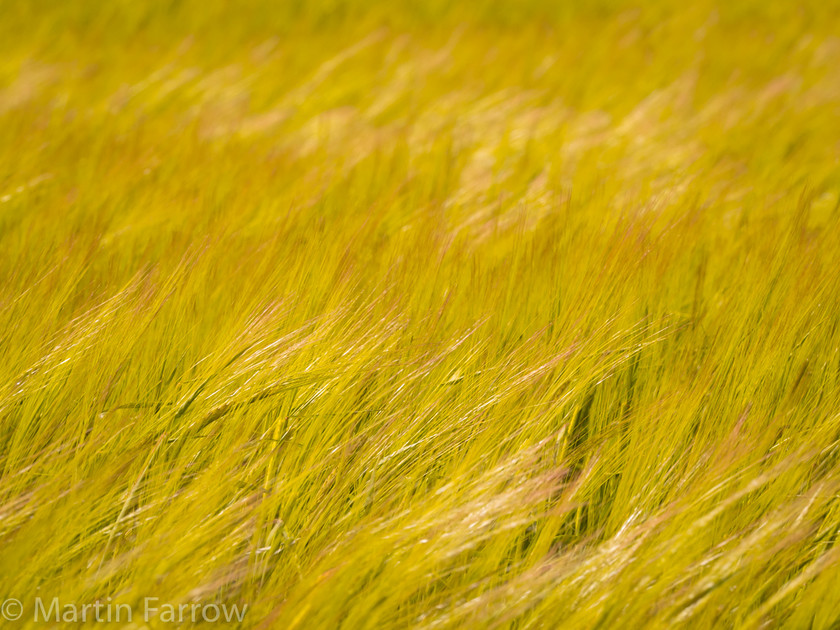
(422, 314)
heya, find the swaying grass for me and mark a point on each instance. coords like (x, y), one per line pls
(368, 315)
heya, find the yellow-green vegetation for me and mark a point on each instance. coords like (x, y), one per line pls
(421, 314)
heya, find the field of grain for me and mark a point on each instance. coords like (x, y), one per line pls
(327, 314)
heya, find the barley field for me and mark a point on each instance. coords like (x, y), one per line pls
(321, 314)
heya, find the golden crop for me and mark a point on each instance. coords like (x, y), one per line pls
(474, 314)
